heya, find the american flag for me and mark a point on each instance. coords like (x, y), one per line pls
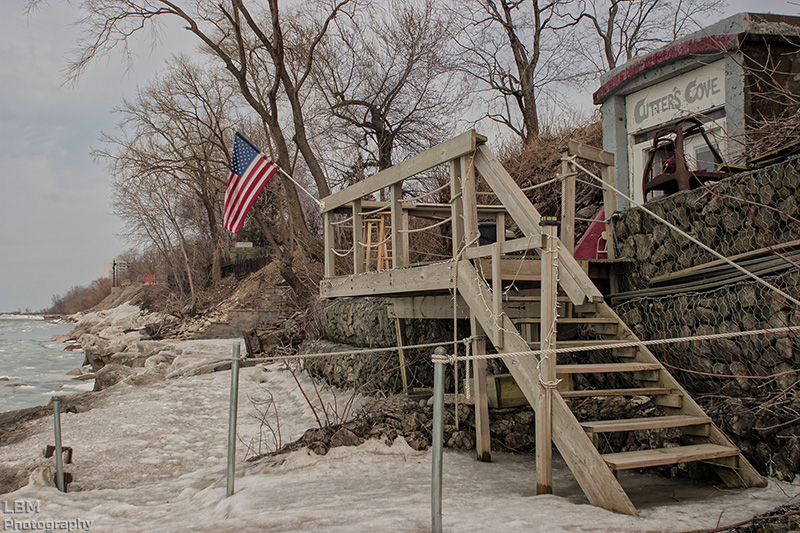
(250, 172)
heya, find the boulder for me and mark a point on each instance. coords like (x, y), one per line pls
(110, 375)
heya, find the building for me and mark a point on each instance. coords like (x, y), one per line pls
(733, 76)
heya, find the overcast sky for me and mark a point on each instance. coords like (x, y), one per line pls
(57, 228)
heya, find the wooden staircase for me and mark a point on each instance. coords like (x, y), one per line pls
(582, 306)
(511, 320)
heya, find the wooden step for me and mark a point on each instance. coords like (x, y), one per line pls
(626, 352)
(568, 320)
(604, 368)
(594, 393)
(667, 456)
(509, 298)
(638, 424)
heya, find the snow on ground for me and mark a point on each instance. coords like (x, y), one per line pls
(152, 458)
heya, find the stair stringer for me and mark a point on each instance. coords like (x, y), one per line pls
(590, 470)
(739, 475)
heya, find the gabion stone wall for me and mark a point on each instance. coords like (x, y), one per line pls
(749, 211)
(355, 323)
(748, 385)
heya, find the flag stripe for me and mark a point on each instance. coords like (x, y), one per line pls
(248, 197)
(242, 187)
(250, 172)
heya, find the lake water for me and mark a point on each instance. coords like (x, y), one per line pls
(32, 369)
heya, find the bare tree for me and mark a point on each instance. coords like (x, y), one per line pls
(520, 52)
(387, 83)
(178, 125)
(268, 58)
(619, 30)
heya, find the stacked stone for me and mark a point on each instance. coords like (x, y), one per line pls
(749, 211)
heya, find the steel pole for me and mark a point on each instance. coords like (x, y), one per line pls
(438, 439)
(59, 455)
(234, 403)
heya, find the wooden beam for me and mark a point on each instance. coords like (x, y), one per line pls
(396, 193)
(441, 153)
(506, 247)
(358, 235)
(404, 238)
(718, 262)
(514, 269)
(547, 362)
(329, 242)
(497, 293)
(590, 471)
(441, 307)
(434, 277)
(574, 281)
(568, 185)
(590, 153)
(399, 327)
(469, 199)
(483, 440)
(456, 206)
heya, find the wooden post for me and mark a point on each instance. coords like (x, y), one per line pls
(610, 204)
(399, 326)
(500, 226)
(544, 416)
(497, 294)
(358, 234)
(483, 440)
(404, 236)
(397, 222)
(456, 206)
(568, 206)
(469, 198)
(329, 241)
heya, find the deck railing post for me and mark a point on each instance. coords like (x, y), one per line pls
(547, 366)
(438, 441)
(232, 412)
(358, 235)
(329, 242)
(568, 185)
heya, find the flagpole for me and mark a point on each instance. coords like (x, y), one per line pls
(301, 187)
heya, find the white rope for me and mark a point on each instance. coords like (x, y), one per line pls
(445, 221)
(685, 234)
(375, 211)
(345, 254)
(348, 352)
(542, 184)
(319, 204)
(429, 193)
(384, 241)
(635, 344)
(348, 219)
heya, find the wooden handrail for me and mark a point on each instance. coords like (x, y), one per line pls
(441, 153)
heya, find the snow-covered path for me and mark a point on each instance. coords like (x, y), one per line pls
(152, 458)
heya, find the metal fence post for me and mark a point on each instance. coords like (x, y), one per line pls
(59, 454)
(438, 438)
(234, 403)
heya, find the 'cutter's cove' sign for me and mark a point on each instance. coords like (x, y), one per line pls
(694, 92)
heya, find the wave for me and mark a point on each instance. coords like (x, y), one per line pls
(8, 316)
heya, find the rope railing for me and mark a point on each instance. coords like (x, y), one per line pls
(629, 344)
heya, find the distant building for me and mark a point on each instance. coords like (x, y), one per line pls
(108, 268)
(731, 76)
